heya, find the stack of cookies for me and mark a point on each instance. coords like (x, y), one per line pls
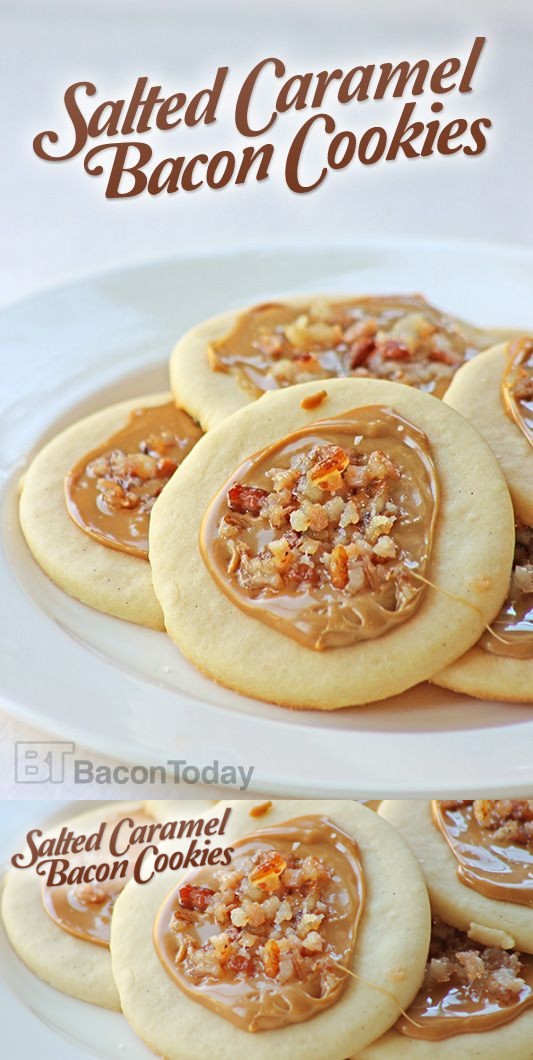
(333, 503)
(321, 929)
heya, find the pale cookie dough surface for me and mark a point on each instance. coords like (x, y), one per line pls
(391, 950)
(210, 396)
(80, 969)
(475, 393)
(104, 578)
(487, 676)
(514, 1040)
(176, 809)
(452, 900)
(471, 557)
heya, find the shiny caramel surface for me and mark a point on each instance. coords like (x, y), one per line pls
(322, 535)
(266, 941)
(111, 491)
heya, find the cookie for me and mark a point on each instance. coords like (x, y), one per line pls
(476, 392)
(451, 899)
(224, 363)
(343, 648)
(389, 949)
(174, 809)
(498, 985)
(74, 965)
(75, 481)
(500, 668)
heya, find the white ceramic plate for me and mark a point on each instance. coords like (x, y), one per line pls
(127, 692)
(36, 1019)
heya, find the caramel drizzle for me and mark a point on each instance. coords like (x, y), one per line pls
(124, 525)
(260, 1002)
(498, 869)
(517, 385)
(320, 619)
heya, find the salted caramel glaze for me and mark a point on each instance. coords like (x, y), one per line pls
(267, 940)
(517, 385)
(492, 841)
(514, 624)
(468, 988)
(400, 338)
(85, 910)
(111, 491)
(322, 535)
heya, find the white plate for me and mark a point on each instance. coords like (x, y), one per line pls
(36, 1019)
(126, 691)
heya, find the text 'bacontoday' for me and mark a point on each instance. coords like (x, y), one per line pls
(112, 135)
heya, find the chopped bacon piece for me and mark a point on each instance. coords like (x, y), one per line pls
(395, 351)
(267, 874)
(246, 499)
(360, 351)
(338, 569)
(445, 357)
(271, 958)
(195, 897)
(237, 963)
(327, 473)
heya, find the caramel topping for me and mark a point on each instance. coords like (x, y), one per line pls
(514, 624)
(111, 491)
(517, 385)
(85, 909)
(468, 988)
(266, 940)
(399, 338)
(492, 841)
(317, 534)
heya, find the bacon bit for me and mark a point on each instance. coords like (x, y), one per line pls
(309, 361)
(395, 351)
(302, 572)
(195, 897)
(90, 894)
(261, 810)
(246, 499)
(360, 351)
(267, 874)
(445, 357)
(314, 400)
(327, 473)
(338, 568)
(240, 964)
(271, 958)
(165, 467)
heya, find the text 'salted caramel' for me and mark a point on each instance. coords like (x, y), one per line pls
(107, 135)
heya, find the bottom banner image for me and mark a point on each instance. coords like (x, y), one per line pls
(316, 929)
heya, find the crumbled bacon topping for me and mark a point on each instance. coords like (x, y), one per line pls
(134, 480)
(328, 521)
(268, 917)
(402, 343)
(487, 972)
(501, 819)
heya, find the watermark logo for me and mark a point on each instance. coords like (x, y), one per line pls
(55, 762)
(41, 761)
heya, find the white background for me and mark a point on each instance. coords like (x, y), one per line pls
(57, 224)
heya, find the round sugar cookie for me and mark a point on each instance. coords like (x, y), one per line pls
(76, 967)
(471, 558)
(451, 900)
(109, 580)
(513, 1040)
(209, 396)
(175, 809)
(475, 392)
(485, 676)
(390, 951)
